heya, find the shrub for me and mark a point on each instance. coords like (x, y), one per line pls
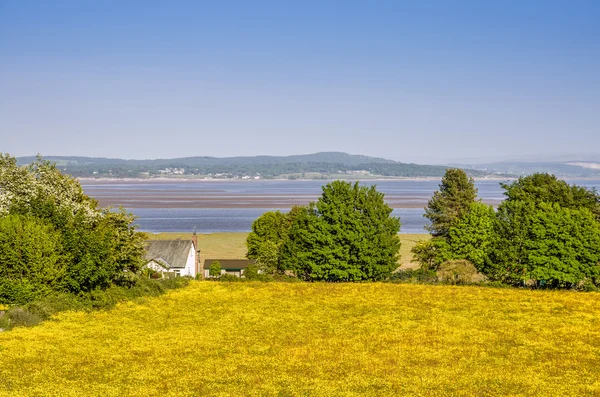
(215, 269)
(251, 272)
(35, 312)
(458, 272)
(427, 253)
(420, 275)
(230, 278)
(54, 237)
(19, 317)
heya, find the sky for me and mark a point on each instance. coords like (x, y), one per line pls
(414, 81)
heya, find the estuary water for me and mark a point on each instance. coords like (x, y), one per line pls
(231, 206)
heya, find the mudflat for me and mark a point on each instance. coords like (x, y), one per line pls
(240, 194)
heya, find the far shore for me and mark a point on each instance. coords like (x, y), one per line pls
(218, 180)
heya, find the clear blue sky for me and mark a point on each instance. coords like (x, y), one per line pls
(419, 81)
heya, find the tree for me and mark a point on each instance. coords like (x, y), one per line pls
(471, 237)
(269, 233)
(546, 232)
(546, 243)
(347, 235)
(451, 202)
(546, 188)
(271, 226)
(215, 269)
(426, 253)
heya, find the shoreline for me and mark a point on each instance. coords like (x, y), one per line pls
(220, 180)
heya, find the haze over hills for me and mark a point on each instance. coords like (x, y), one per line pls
(321, 157)
(310, 166)
(562, 169)
(317, 165)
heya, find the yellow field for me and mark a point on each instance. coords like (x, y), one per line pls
(233, 245)
(315, 339)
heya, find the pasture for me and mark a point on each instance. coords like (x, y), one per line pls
(233, 245)
(293, 339)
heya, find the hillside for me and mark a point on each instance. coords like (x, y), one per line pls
(566, 169)
(323, 339)
(317, 165)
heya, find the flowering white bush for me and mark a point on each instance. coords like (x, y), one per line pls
(24, 186)
(97, 247)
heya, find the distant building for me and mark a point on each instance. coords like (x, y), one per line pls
(173, 256)
(235, 267)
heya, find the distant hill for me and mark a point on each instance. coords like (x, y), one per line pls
(317, 165)
(567, 169)
(321, 157)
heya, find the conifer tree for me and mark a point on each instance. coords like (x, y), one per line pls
(450, 203)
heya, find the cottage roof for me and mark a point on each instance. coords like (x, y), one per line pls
(229, 264)
(173, 253)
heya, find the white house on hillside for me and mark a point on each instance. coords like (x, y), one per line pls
(173, 256)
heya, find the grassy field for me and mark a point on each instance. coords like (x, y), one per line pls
(298, 339)
(233, 245)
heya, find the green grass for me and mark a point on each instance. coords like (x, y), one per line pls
(233, 245)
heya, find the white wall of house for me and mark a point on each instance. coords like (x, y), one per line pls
(188, 270)
(190, 264)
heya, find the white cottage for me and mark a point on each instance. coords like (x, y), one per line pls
(173, 256)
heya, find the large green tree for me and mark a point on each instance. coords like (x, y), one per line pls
(545, 243)
(547, 188)
(452, 201)
(546, 232)
(347, 235)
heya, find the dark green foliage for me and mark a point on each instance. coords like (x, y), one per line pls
(457, 192)
(347, 235)
(107, 252)
(547, 188)
(269, 233)
(545, 242)
(546, 233)
(31, 258)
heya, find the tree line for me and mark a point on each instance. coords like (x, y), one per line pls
(546, 233)
(268, 170)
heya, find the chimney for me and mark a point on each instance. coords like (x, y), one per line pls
(195, 242)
